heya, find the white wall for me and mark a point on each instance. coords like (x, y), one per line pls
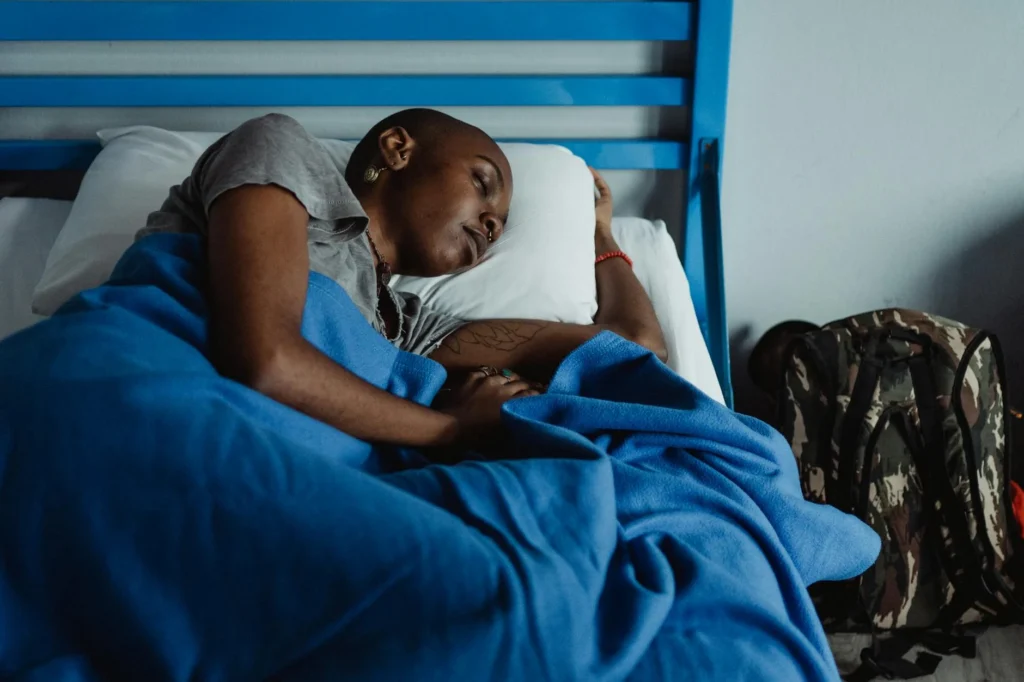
(875, 157)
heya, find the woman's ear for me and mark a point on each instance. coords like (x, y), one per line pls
(396, 147)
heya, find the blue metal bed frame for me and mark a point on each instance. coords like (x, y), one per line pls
(707, 23)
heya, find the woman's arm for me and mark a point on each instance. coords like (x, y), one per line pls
(623, 304)
(535, 348)
(259, 269)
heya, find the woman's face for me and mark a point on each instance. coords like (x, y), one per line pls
(450, 196)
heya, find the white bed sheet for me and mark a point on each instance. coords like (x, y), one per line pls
(28, 228)
(656, 264)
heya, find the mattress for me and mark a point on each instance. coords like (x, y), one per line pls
(29, 227)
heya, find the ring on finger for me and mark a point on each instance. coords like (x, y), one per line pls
(488, 371)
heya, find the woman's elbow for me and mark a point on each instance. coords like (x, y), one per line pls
(262, 369)
(656, 346)
(265, 376)
(652, 341)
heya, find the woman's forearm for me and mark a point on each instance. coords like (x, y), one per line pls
(535, 348)
(623, 305)
(305, 379)
(258, 270)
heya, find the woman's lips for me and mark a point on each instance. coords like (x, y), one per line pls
(478, 241)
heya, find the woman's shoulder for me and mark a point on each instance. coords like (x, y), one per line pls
(273, 126)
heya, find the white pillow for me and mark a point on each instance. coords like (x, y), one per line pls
(657, 266)
(127, 180)
(543, 263)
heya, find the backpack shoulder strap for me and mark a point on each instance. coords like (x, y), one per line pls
(868, 373)
(959, 555)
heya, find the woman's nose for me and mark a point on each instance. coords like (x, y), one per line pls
(493, 225)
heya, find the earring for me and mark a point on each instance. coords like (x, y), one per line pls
(490, 234)
(371, 174)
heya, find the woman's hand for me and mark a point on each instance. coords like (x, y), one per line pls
(475, 402)
(603, 240)
(602, 204)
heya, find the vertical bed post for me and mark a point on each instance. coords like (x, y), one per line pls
(701, 248)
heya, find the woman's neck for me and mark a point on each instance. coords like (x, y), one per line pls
(385, 247)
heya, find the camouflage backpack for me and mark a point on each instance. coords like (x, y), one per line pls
(900, 418)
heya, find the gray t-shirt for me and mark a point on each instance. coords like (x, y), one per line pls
(276, 149)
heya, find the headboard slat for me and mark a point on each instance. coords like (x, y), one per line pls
(282, 20)
(36, 155)
(324, 90)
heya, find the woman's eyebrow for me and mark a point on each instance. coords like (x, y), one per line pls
(497, 170)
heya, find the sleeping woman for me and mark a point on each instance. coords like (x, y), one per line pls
(423, 194)
(160, 523)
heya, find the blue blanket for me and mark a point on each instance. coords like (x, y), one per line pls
(159, 522)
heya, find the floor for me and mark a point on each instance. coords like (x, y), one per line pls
(1000, 657)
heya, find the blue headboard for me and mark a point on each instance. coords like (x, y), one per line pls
(705, 24)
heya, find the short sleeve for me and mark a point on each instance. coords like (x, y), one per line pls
(423, 329)
(275, 150)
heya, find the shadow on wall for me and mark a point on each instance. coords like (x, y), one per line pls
(984, 287)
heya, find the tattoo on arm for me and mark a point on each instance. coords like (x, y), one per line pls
(503, 336)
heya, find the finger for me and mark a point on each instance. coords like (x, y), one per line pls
(495, 380)
(600, 184)
(527, 393)
(514, 388)
(501, 380)
(473, 379)
(484, 372)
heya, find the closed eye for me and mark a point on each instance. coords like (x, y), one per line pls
(481, 182)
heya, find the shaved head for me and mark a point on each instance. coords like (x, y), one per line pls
(427, 126)
(439, 190)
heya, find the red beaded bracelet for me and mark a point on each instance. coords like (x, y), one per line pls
(614, 254)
